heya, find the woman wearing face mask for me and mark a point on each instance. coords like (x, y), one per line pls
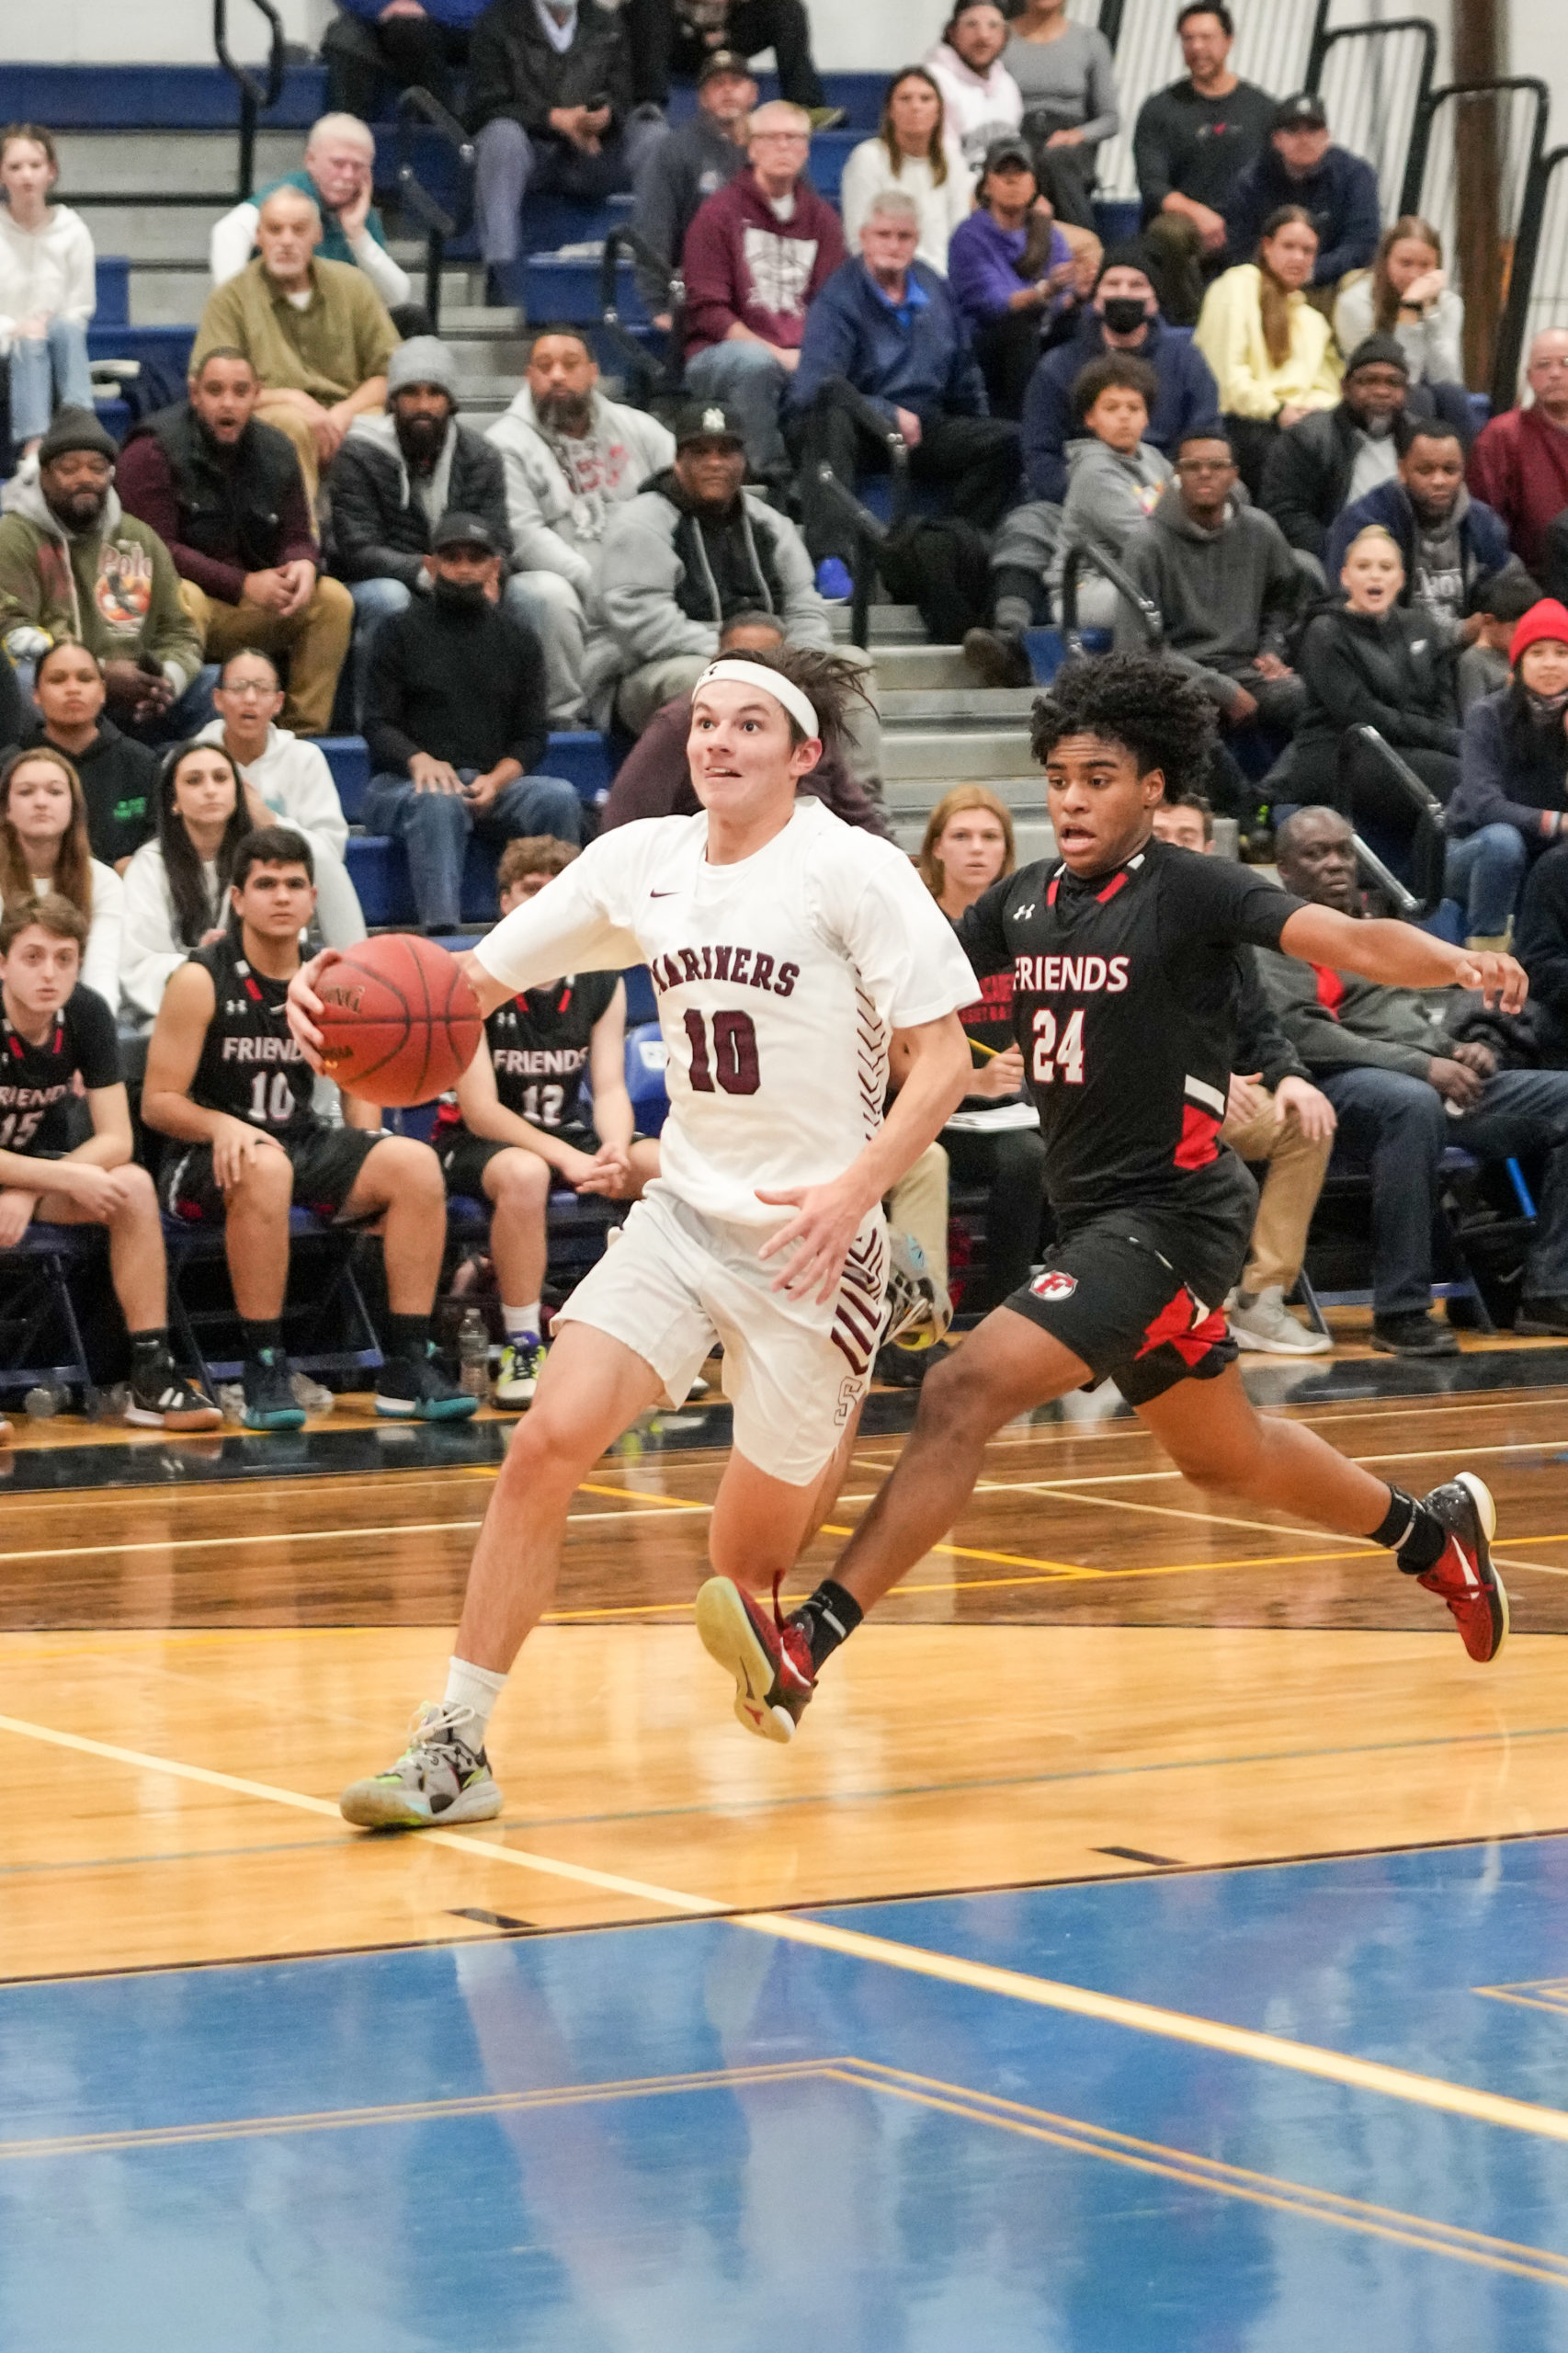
(1273, 355)
(1369, 660)
(44, 847)
(1512, 792)
(292, 778)
(993, 1138)
(910, 152)
(176, 886)
(119, 775)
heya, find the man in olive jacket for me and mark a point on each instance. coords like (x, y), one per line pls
(74, 564)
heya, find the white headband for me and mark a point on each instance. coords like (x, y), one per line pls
(783, 690)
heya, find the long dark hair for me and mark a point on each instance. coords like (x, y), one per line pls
(181, 864)
(937, 153)
(1409, 228)
(1274, 294)
(72, 876)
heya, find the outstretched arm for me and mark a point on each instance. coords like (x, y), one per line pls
(1401, 957)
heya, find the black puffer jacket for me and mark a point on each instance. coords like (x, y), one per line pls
(379, 529)
(1392, 671)
(513, 70)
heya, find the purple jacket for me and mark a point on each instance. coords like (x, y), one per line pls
(981, 272)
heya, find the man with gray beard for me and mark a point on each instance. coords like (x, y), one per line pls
(571, 457)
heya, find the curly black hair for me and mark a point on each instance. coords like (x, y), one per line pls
(1122, 368)
(1153, 711)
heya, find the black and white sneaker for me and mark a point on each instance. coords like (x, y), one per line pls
(440, 1778)
(164, 1399)
(417, 1388)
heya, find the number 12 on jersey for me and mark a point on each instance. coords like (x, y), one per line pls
(1052, 1053)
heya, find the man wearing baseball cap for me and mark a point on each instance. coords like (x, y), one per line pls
(694, 162)
(1301, 166)
(456, 723)
(683, 558)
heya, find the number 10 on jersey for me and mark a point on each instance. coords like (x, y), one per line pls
(1052, 1053)
(731, 1059)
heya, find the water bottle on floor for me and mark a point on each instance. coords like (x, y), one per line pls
(473, 1357)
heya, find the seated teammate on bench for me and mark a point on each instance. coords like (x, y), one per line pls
(56, 1033)
(514, 1125)
(228, 1084)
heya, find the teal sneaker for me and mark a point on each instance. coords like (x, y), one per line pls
(270, 1402)
(417, 1388)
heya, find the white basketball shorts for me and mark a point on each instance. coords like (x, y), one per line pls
(794, 1371)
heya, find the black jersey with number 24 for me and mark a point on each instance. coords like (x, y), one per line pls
(1125, 989)
(251, 1064)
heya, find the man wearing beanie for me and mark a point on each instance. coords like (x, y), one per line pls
(1318, 466)
(225, 493)
(1123, 316)
(74, 564)
(396, 475)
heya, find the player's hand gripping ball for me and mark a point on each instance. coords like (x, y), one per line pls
(399, 1021)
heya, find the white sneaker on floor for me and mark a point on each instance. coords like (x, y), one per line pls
(1267, 1325)
(440, 1778)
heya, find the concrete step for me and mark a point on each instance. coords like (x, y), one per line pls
(943, 757)
(147, 233)
(964, 707)
(922, 669)
(176, 163)
(891, 625)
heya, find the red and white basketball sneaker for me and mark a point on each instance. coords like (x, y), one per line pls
(1464, 1575)
(770, 1659)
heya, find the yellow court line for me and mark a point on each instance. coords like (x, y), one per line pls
(1144, 2018)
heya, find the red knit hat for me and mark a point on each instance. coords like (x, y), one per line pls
(1547, 621)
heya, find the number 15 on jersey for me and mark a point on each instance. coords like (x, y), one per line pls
(1053, 1053)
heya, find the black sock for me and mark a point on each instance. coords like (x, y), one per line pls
(408, 1337)
(265, 1332)
(148, 1347)
(1416, 1535)
(829, 1616)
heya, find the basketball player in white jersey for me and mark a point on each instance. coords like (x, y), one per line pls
(787, 949)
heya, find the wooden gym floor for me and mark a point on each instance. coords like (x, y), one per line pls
(1171, 1771)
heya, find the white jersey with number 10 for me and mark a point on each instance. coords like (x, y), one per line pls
(779, 979)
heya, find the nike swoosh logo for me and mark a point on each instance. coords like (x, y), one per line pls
(664, 894)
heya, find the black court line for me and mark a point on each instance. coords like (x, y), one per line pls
(1137, 1855)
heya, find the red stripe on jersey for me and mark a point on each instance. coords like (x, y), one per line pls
(1055, 886)
(1111, 888)
(1173, 1327)
(1331, 990)
(1200, 1134)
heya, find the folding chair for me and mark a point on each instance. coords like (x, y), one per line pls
(35, 1302)
(315, 1342)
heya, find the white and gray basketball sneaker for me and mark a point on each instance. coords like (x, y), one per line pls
(441, 1779)
(918, 1310)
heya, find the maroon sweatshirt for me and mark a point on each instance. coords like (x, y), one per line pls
(654, 778)
(741, 262)
(1519, 466)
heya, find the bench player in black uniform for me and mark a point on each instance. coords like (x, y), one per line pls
(53, 1034)
(514, 1125)
(1123, 955)
(228, 1084)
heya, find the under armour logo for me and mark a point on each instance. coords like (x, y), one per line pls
(1022, 915)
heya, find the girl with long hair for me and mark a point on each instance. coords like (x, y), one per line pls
(48, 286)
(1272, 353)
(910, 152)
(44, 848)
(993, 1138)
(176, 886)
(1406, 294)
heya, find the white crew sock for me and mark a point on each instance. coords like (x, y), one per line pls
(518, 1321)
(478, 1688)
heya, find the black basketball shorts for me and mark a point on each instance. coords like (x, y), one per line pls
(326, 1162)
(1110, 1295)
(466, 1157)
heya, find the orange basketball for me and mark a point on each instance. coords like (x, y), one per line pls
(400, 1021)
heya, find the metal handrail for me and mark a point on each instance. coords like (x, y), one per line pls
(1379, 28)
(871, 536)
(417, 105)
(257, 96)
(1410, 907)
(1521, 279)
(622, 238)
(1420, 146)
(1423, 802)
(1080, 554)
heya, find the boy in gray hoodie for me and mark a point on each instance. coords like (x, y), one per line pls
(1226, 585)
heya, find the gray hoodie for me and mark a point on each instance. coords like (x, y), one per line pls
(1225, 596)
(561, 493)
(1108, 495)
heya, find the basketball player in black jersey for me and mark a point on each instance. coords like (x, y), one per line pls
(1123, 956)
(227, 1082)
(514, 1125)
(53, 1036)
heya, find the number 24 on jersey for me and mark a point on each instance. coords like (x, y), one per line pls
(1053, 1053)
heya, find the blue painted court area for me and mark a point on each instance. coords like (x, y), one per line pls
(708, 2138)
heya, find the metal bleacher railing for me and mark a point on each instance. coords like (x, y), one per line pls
(1474, 171)
(417, 107)
(1375, 81)
(1538, 289)
(1277, 43)
(258, 93)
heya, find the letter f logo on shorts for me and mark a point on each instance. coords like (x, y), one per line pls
(1055, 1284)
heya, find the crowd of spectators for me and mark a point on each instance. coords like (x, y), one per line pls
(1242, 435)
